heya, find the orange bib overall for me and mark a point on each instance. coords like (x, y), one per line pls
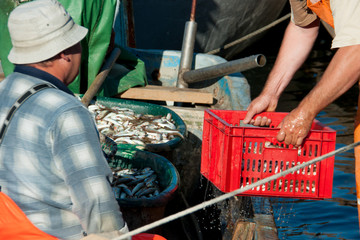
(14, 224)
(322, 10)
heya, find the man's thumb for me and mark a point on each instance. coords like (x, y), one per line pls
(248, 117)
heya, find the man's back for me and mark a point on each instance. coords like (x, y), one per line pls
(47, 162)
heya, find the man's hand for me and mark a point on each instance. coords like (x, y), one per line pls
(294, 128)
(259, 105)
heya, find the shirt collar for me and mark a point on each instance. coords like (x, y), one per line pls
(34, 72)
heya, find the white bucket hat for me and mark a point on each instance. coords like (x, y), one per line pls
(41, 29)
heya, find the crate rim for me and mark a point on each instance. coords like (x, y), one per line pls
(325, 129)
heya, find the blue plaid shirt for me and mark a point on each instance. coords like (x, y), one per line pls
(51, 161)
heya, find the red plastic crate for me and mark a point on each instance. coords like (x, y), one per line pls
(234, 156)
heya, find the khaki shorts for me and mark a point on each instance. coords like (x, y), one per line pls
(346, 15)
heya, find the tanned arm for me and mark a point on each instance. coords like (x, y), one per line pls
(295, 48)
(341, 74)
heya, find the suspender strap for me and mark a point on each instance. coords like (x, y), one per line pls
(17, 104)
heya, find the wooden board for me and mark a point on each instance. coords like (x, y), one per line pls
(244, 231)
(160, 93)
(264, 219)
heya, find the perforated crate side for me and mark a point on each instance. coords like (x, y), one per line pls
(258, 162)
(211, 159)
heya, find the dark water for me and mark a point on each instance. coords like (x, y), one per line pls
(334, 218)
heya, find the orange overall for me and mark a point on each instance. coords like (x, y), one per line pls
(357, 157)
(323, 11)
(14, 225)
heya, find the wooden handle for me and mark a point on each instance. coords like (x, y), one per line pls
(100, 78)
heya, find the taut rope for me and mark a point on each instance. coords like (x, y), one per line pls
(226, 46)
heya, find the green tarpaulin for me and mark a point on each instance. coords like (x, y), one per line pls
(98, 17)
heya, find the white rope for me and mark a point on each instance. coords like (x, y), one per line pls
(233, 193)
(215, 51)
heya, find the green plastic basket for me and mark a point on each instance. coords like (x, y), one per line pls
(167, 175)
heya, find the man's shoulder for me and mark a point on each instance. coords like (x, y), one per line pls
(18, 81)
(16, 84)
(58, 100)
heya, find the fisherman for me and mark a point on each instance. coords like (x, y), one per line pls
(103, 19)
(51, 160)
(341, 74)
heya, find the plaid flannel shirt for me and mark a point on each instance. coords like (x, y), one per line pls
(51, 161)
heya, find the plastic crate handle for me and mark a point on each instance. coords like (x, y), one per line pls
(274, 143)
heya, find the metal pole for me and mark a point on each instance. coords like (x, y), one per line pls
(187, 49)
(223, 69)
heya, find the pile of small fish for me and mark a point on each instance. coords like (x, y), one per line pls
(135, 183)
(124, 126)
